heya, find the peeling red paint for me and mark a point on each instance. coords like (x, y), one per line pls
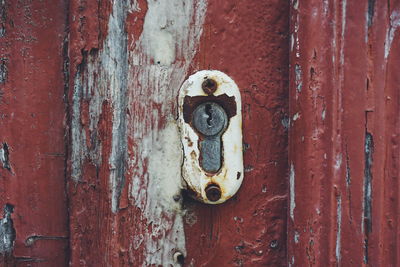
(347, 127)
(32, 125)
(89, 146)
(249, 42)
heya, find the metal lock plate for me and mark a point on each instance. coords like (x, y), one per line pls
(210, 121)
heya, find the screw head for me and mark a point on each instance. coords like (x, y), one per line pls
(209, 86)
(213, 192)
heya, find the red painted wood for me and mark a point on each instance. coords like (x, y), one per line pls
(344, 133)
(248, 41)
(92, 117)
(32, 121)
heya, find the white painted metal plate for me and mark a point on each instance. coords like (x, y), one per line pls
(230, 175)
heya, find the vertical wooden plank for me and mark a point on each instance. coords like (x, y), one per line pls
(33, 230)
(343, 150)
(249, 42)
(128, 60)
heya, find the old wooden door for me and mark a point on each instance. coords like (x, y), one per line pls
(91, 154)
(90, 149)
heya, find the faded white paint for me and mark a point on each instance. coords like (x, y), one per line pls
(159, 64)
(3, 157)
(296, 237)
(230, 176)
(292, 203)
(343, 39)
(296, 116)
(323, 114)
(394, 24)
(339, 230)
(135, 77)
(298, 79)
(338, 161)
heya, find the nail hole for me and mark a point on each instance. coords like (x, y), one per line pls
(179, 258)
(177, 198)
(274, 244)
(238, 175)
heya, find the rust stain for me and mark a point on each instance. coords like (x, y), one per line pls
(191, 103)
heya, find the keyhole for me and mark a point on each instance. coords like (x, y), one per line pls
(209, 114)
(210, 120)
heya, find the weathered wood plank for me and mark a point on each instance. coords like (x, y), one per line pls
(343, 150)
(34, 225)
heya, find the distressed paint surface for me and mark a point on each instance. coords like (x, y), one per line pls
(128, 60)
(248, 40)
(345, 122)
(33, 203)
(126, 153)
(97, 112)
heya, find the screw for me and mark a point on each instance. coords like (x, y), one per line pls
(209, 86)
(213, 192)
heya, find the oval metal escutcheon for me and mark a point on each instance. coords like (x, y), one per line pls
(210, 122)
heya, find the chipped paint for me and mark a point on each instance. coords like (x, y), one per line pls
(296, 116)
(163, 184)
(343, 31)
(394, 24)
(299, 82)
(370, 12)
(111, 81)
(3, 69)
(292, 204)
(346, 189)
(3, 17)
(296, 237)
(230, 175)
(103, 78)
(7, 231)
(339, 229)
(160, 60)
(366, 222)
(338, 161)
(5, 157)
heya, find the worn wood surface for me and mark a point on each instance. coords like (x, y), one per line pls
(344, 133)
(34, 225)
(128, 61)
(90, 155)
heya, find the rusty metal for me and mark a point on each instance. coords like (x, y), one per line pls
(210, 120)
(192, 102)
(209, 86)
(212, 143)
(213, 192)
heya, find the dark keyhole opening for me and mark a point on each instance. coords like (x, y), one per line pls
(209, 113)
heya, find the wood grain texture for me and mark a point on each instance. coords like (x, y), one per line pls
(128, 61)
(344, 133)
(32, 145)
(249, 42)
